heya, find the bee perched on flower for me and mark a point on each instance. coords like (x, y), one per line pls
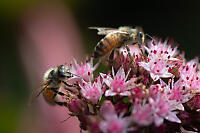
(155, 90)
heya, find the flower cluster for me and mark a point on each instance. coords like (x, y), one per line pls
(157, 90)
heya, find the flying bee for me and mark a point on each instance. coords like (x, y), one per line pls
(53, 81)
(116, 38)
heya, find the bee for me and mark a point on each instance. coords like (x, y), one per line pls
(116, 38)
(53, 81)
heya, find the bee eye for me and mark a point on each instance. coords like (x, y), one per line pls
(52, 73)
(140, 35)
(62, 69)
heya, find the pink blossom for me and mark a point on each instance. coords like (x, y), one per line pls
(154, 91)
(161, 110)
(187, 72)
(84, 70)
(189, 76)
(166, 93)
(142, 113)
(196, 82)
(155, 110)
(112, 123)
(158, 107)
(117, 84)
(162, 50)
(138, 92)
(157, 68)
(91, 92)
(178, 92)
(162, 104)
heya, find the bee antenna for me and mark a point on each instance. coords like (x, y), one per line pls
(76, 75)
(150, 37)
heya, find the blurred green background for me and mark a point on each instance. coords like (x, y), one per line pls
(179, 20)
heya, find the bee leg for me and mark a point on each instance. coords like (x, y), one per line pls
(129, 53)
(111, 58)
(140, 47)
(70, 90)
(57, 92)
(70, 85)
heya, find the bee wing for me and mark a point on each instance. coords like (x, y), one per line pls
(103, 30)
(35, 93)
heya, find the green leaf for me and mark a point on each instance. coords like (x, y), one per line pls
(130, 109)
(103, 98)
(125, 100)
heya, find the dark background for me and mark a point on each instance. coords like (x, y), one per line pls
(179, 20)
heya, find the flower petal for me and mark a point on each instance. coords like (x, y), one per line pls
(154, 77)
(158, 120)
(172, 117)
(121, 73)
(126, 93)
(110, 93)
(106, 79)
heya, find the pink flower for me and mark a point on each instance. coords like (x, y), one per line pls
(138, 92)
(162, 50)
(162, 105)
(161, 110)
(154, 91)
(157, 68)
(178, 92)
(196, 82)
(112, 123)
(117, 84)
(188, 73)
(158, 107)
(85, 70)
(91, 92)
(142, 113)
(165, 92)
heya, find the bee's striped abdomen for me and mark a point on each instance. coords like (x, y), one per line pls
(107, 44)
(49, 96)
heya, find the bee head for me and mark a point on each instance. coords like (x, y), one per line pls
(63, 71)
